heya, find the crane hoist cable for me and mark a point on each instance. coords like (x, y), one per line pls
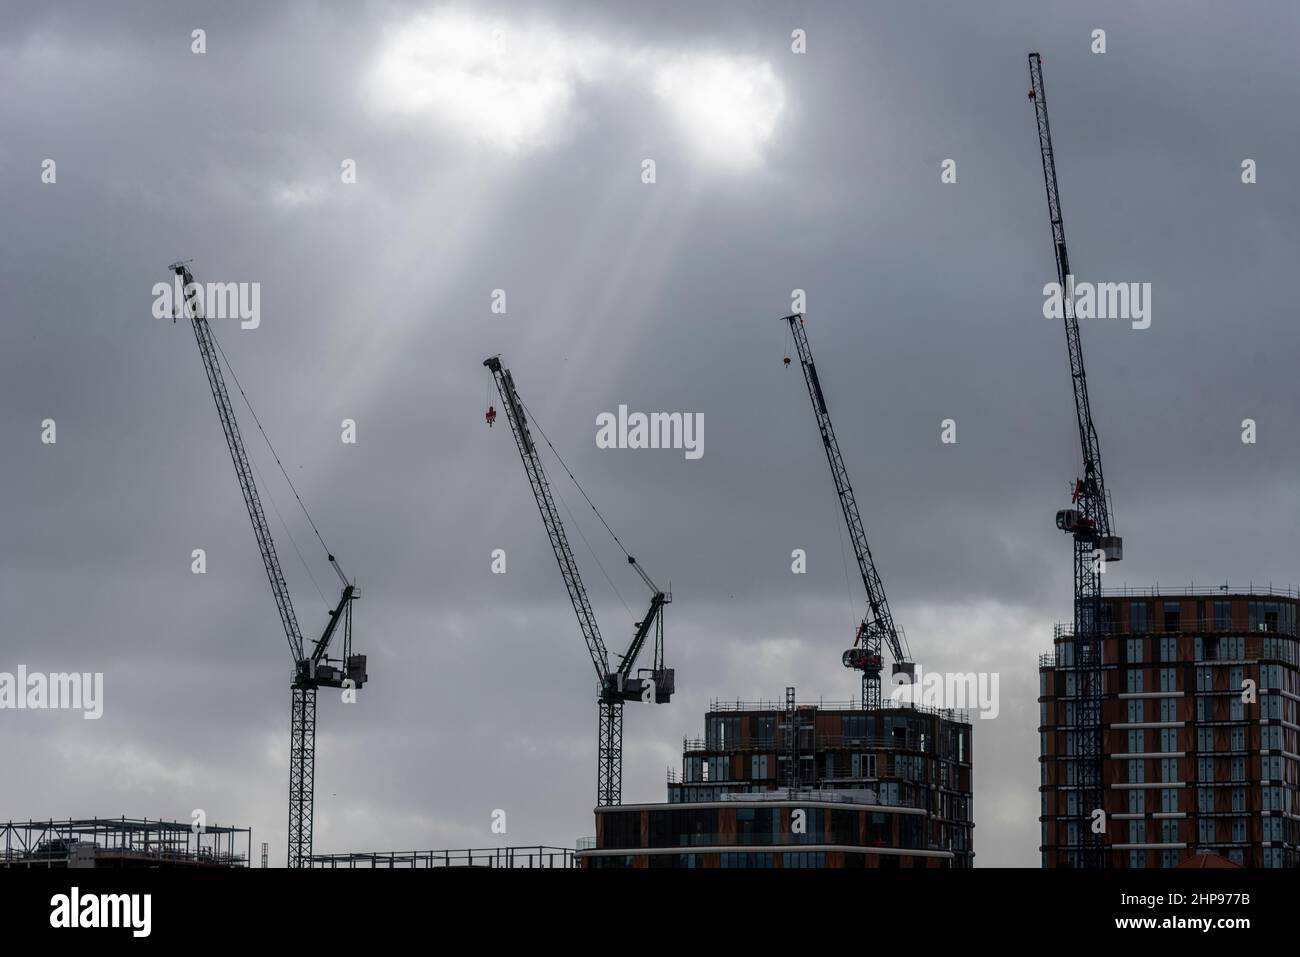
(591, 551)
(848, 587)
(283, 471)
(632, 561)
(283, 524)
(569, 472)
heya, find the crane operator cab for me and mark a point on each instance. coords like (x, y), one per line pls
(1074, 522)
(865, 653)
(862, 659)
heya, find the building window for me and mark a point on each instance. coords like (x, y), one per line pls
(1264, 615)
(1137, 616)
(1173, 612)
(1222, 615)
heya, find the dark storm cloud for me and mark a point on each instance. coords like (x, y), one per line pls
(924, 303)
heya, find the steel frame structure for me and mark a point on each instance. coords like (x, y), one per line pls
(125, 842)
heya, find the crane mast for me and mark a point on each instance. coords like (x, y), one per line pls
(1089, 524)
(617, 685)
(311, 670)
(877, 626)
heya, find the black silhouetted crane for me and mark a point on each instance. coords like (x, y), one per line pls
(312, 668)
(1088, 522)
(619, 684)
(877, 626)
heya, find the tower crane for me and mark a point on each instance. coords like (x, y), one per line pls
(313, 668)
(877, 626)
(615, 685)
(1088, 523)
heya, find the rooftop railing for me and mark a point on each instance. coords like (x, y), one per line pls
(509, 857)
(1201, 591)
(1196, 626)
(853, 704)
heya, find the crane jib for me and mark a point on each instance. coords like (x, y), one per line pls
(879, 625)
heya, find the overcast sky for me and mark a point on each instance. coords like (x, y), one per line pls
(499, 150)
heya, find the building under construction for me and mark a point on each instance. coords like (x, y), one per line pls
(812, 785)
(805, 785)
(1198, 730)
(122, 842)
